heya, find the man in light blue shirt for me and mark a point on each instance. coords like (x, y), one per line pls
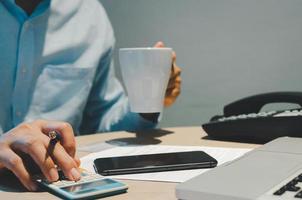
(56, 64)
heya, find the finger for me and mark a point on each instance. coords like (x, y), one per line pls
(15, 164)
(174, 83)
(173, 57)
(40, 155)
(64, 160)
(176, 71)
(172, 86)
(171, 97)
(33, 145)
(66, 131)
(78, 161)
(66, 163)
(175, 74)
(159, 44)
(173, 93)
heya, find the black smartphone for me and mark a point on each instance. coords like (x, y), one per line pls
(154, 163)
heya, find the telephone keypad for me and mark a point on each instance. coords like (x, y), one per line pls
(259, 127)
(296, 112)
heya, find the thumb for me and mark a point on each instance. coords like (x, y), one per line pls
(159, 44)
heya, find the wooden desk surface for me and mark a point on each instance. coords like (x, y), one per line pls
(191, 136)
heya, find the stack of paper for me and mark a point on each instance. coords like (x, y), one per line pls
(222, 155)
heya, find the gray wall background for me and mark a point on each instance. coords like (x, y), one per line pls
(228, 49)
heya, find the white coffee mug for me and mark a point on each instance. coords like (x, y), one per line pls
(146, 73)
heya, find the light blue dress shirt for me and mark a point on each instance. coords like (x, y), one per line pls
(57, 65)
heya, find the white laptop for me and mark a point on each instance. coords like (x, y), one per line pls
(270, 172)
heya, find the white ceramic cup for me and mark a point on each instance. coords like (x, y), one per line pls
(146, 73)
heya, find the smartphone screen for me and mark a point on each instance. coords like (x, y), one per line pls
(154, 163)
(89, 186)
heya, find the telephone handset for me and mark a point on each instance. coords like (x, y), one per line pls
(243, 119)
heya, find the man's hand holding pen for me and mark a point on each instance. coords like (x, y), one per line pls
(34, 139)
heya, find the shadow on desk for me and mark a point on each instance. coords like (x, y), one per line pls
(146, 137)
(10, 183)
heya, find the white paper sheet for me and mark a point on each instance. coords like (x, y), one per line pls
(96, 147)
(222, 155)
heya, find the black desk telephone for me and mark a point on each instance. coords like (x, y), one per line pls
(242, 119)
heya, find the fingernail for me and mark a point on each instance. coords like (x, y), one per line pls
(53, 174)
(75, 174)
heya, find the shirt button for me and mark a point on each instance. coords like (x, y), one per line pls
(26, 25)
(18, 113)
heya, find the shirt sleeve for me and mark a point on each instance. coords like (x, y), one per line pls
(107, 107)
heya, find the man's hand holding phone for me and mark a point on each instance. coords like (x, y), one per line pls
(32, 139)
